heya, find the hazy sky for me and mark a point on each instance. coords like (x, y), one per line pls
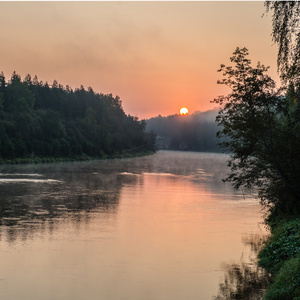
(157, 56)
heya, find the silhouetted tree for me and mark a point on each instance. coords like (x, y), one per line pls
(264, 135)
(286, 21)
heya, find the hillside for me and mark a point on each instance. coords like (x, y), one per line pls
(196, 132)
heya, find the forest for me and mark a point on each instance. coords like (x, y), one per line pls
(42, 121)
(195, 132)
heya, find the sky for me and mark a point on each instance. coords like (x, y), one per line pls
(157, 56)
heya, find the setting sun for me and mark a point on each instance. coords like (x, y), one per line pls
(184, 111)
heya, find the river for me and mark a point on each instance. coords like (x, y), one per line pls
(158, 227)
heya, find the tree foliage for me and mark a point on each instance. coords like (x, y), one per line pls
(286, 34)
(263, 131)
(42, 121)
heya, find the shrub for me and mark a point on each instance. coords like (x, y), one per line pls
(282, 245)
(287, 282)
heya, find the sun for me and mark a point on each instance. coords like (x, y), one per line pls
(184, 111)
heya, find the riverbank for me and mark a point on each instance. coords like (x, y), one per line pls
(281, 257)
(38, 160)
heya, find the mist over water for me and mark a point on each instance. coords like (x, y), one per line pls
(157, 227)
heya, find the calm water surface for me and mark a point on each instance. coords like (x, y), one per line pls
(150, 228)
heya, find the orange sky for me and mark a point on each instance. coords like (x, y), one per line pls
(157, 56)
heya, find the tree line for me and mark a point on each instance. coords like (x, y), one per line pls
(39, 120)
(196, 132)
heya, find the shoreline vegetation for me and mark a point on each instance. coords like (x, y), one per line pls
(43, 123)
(262, 127)
(38, 160)
(280, 257)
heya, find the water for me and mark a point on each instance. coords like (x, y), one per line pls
(151, 228)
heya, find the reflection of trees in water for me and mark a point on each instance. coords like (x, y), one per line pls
(245, 280)
(39, 207)
(81, 188)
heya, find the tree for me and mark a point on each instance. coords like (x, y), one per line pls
(256, 119)
(2, 82)
(2, 90)
(286, 34)
(27, 80)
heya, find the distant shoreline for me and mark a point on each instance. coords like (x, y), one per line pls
(41, 160)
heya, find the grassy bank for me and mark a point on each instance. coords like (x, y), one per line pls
(38, 160)
(281, 257)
